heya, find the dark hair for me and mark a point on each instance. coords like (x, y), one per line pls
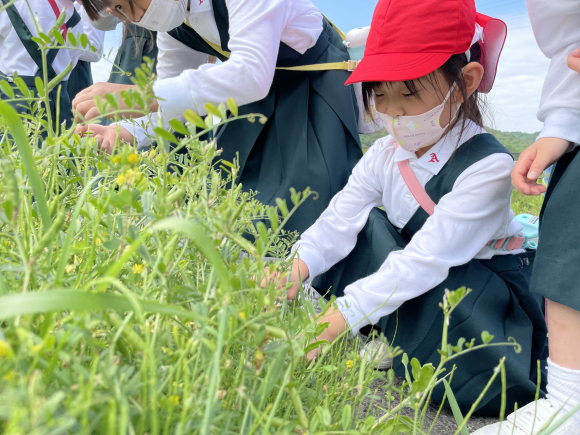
(94, 7)
(452, 71)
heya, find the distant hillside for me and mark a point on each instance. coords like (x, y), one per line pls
(514, 141)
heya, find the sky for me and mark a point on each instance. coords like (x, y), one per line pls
(513, 102)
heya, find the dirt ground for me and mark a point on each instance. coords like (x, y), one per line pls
(445, 424)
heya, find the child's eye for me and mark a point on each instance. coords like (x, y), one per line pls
(412, 94)
(118, 8)
(379, 95)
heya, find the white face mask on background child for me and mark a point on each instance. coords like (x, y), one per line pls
(418, 131)
(163, 15)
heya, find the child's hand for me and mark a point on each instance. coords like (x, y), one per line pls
(337, 326)
(533, 161)
(574, 60)
(299, 272)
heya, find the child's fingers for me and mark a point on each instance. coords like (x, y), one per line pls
(522, 170)
(574, 60)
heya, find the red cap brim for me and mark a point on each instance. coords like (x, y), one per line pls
(396, 67)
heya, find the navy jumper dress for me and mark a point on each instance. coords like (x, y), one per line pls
(65, 106)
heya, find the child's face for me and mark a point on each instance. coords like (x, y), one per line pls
(395, 99)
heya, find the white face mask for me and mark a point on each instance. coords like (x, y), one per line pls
(415, 132)
(163, 15)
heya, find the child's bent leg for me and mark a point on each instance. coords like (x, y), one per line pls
(564, 333)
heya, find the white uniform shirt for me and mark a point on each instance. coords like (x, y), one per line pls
(15, 58)
(476, 211)
(555, 25)
(187, 81)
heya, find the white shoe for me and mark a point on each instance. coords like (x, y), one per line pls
(378, 352)
(536, 415)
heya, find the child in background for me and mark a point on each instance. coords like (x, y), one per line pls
(20, 54)
(445, 186)
(555, 25)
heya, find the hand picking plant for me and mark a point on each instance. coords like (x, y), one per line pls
(129, 303)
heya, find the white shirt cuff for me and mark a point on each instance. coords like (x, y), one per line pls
(176, 95)
(562, 123)
(352, 313)
(140, 136)
(312, 259)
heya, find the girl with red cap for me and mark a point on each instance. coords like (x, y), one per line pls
(444, 184)
(555, 25)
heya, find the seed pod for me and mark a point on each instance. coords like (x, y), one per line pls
(48, 236)
(11, 184)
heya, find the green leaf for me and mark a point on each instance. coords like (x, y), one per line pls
(7, 89)
(71, 39)
(194, 118)
(455, 407)
(212, 110)
(232, 106)
(84, 40)
(346, 417)
(486, 337)
(20, 304)
(22, 86)
(112, 100)
(178, 127)
(315, 345)
(166, 135)
(12, 120)
(201, 240)
(422, 378)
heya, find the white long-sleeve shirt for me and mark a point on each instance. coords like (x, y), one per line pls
(476, 211)
(187, 81)
(15, 58)
(555, 25)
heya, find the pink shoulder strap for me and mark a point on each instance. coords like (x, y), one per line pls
(418, 191)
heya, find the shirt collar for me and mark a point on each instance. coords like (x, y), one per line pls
(439, 155)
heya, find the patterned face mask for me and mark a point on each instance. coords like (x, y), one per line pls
(415, 132)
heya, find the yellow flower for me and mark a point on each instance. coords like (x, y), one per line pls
(349, 364)
(78, 260)
(242, 315)
(70, 268)
(5, 349)
(7, 243)
(121, 179)
(117, 159)
(137, 269)
(9, 376)
(98, 241)
(133, 158)
(174, 400)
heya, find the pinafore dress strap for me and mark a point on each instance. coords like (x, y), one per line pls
(32, 47)
(474, 150)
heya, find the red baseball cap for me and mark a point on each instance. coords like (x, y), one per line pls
(412, 38)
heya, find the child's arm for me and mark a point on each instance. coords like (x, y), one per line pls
(555, 25)
(475, 211)
(334, 234)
